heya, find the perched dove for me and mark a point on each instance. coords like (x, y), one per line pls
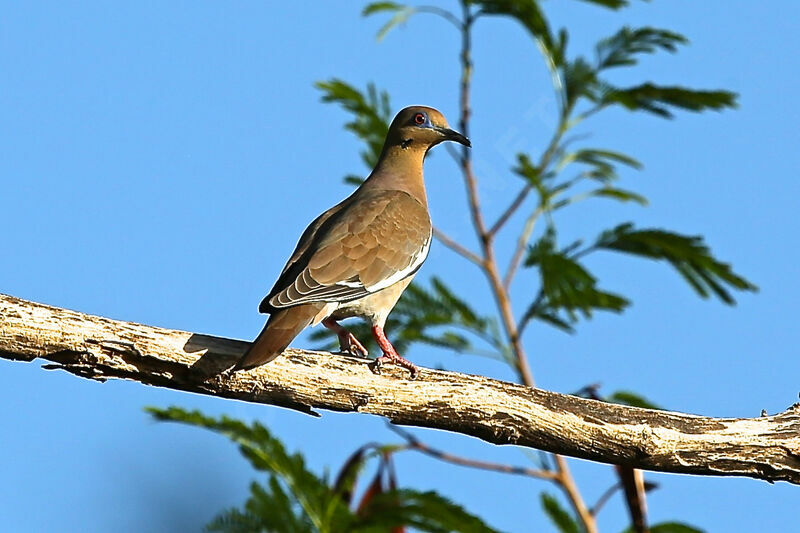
(357, 258)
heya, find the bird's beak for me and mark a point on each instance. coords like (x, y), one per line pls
(452, 135)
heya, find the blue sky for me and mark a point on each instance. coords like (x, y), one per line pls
(159, 159)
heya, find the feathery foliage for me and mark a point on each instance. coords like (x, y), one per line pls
(295, 500)
(669, 527)
(560, 517)
(370, 110)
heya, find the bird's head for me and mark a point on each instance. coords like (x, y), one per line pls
(422, 127)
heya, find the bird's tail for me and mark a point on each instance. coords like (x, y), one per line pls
(281, 329)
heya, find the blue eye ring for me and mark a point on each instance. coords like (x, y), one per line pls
(420, 119)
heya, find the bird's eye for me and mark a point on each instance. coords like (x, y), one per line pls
(419, 118)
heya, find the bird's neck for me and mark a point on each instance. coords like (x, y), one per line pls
(400, 169)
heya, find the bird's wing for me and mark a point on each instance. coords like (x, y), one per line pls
(371, 243)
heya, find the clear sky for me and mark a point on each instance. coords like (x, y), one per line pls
(159, 159)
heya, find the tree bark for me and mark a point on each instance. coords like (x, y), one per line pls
(766, 447)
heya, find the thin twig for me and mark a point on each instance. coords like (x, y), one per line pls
(526, 318)
(416, 444)
(457, 248)
(445, 14)
(501, 294)
(521, 195)
(522, 243)
(527, 231)
(567, 483)
(544, 163)
(603, 499)
(485, 238)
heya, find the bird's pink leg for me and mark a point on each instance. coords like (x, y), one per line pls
(347, 341)
(390, 355)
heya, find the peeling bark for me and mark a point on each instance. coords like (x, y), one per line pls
(99, 348)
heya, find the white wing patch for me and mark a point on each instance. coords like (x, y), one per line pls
(345, 290)
(402, 274)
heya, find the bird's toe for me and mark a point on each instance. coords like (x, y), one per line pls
(356, 348)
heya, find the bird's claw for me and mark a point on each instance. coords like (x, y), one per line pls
(398, 360)
(375, 366)
(350, 344)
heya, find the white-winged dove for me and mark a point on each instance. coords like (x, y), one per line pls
(357, 258)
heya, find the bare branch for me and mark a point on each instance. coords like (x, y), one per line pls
(490, 269)
(603, 499)
(567, 483)
(445, 14)
(511, 209)
(457, 248)
(415, 444)
(522, 243)
(503, 413)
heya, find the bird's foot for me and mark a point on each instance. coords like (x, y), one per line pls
(348, 343)
(395, 359)
(390, 355)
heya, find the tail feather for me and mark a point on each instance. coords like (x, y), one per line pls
(281, 329)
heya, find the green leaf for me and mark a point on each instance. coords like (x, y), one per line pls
(689, 255)
(579, 78)
(550, 317)
(528, 171)
(621, 48)
(275, 509)
(659, 99)
(632, 399)
(602, 164)
(529, 14)
(425, 511)
(371, 114)
(566, 285)
(266, 453)
(236, 521)
(596, 157)
(560, 517)
(619, 194)
(611, 4)
(674, 527)
(580, 81)
(309, 504)
(670, 527)
(346, 480)
(401, 15)
(379, 7)
(462, 311)
(352, 179)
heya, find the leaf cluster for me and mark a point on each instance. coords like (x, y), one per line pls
(295, 500)
(370, 112)
(582, 78)
(567, 287)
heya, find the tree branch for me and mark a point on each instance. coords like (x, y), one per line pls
(511, 209)
(457, 248)
(415, 444)
(490, 262)
(519, 251)
(502, 413)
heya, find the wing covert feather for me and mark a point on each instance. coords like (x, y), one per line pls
(370, 243)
